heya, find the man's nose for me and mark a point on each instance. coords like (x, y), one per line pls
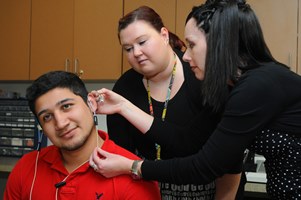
(61, 121)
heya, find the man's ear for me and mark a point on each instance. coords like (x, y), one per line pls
(92, 103)
(93, 107)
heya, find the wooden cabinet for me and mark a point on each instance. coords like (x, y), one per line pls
(166, 9)
(81, 36)
(96, 44)
(14, 39)
(76, 36)
(51, 36)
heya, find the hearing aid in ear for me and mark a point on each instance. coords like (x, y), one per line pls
(94, 114)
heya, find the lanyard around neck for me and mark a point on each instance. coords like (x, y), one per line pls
(151, 110)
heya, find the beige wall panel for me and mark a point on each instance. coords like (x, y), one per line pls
(183, 9)
(299, 41)
(278, 19)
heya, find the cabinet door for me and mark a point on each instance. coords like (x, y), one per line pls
(51, 36)
(278, 19)
(183, 9)
(96, 45)
(14, 39)
(166, 9)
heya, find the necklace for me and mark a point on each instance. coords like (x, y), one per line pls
(151, 110)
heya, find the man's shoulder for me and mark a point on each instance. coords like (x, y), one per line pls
(33, 154)
(111, 147)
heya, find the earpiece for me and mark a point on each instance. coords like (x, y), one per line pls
(94, 114)
(39, 127)
(40, 137)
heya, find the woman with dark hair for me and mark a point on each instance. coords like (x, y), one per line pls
(260, 96)
(162, 84)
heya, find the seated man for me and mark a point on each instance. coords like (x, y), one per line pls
(64, 110)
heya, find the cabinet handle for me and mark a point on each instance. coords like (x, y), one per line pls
(80, 73)
(67, 64)
(75, 65)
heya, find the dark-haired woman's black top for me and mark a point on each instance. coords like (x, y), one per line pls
(263, 113)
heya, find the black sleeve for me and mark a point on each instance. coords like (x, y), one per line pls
(186, 139)
(252, 105)
(218, 157)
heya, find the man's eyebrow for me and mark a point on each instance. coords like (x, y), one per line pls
(57, 104)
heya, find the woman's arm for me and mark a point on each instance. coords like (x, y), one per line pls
(252, 105)
(192, 169)
(115, 103)
(224, 149)
(226, 186)
(182, 144)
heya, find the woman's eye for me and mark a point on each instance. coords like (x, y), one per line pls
(142, 42)
(128, 49)
(190, 45)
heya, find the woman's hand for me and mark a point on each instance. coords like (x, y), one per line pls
(108, 102)
(109, 164)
